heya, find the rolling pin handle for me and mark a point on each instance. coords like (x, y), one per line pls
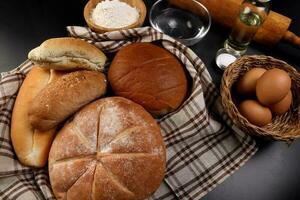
(292, 38)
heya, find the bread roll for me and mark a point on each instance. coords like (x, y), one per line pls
(68, 54)
(150, 76)
(60, 99)
(112, 149)
(31, 146)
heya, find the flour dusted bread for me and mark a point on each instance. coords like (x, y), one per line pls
(111, 150)
(31, 146)
(150, 76)
(68, 54)
(60, 99)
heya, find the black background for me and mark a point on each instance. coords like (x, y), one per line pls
(272, 174)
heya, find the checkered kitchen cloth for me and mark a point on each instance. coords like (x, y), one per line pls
(203, 146)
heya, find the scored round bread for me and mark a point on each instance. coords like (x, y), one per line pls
(150, 76)
(31, 146)
(112, 149)
(60, 99)
(68, 53)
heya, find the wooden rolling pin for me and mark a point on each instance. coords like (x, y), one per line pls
(274, 29)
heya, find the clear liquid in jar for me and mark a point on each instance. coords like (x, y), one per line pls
(243, 31)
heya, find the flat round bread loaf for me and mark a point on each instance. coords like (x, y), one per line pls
(150, 76)
(112, 149)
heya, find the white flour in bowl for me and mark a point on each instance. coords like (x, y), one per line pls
(114, 14)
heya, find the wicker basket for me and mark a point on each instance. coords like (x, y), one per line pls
(285, 127)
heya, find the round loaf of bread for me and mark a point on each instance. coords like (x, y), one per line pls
(150, 76)
(112, 149)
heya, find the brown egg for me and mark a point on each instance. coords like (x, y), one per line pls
(247, 84)
(273, 86)
(255, 113)
(282, 106)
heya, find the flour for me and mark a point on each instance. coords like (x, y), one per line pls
(113, 122)
(114, 14)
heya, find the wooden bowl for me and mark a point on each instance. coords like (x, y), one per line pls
(139, 4)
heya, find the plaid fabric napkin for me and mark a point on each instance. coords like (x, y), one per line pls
(203, 146)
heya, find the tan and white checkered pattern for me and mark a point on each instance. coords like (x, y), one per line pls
(202, 147)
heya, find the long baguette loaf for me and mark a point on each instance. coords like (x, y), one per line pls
(62, 98)
(31, 146)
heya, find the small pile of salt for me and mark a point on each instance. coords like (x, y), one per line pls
(114, 14)
(224, 60)
(225, 57)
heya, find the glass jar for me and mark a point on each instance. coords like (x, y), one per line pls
(251, 16)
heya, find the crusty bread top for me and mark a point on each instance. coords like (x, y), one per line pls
(150, 76)
(112, 149)
(60, 99)
(68, 53)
